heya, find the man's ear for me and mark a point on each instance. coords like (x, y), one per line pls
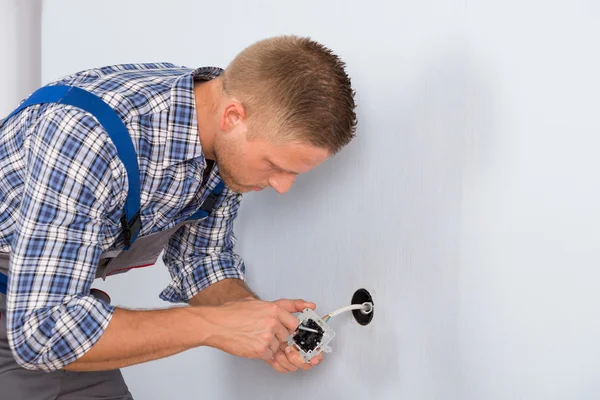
(233, 114)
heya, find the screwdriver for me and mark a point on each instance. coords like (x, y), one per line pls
(304, 328)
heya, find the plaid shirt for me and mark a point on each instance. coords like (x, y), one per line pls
(62, 189)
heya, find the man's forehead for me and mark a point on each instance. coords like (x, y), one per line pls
(297, 157)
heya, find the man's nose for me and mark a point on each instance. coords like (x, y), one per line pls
(282, 183)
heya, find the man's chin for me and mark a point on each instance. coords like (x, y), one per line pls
(235, 187)
(238, 188)
(248, 189)
(242, 190)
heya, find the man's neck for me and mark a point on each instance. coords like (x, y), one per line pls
(206, 94)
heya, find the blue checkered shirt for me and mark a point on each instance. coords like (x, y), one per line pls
(62, 189)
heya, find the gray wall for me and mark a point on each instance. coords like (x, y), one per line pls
(468, 204)
(20, 51)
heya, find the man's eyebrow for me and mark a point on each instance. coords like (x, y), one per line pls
(277, 167)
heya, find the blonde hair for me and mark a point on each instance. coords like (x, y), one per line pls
(294, 89)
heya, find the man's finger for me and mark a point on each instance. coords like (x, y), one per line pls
(295, 305)
(268, 355)
(316, 360)
(278, 367)
(296, 359)
(274, 346)
(289, 321)
(281, 358)
(282, 334)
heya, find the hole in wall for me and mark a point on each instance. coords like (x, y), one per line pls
(362, 296)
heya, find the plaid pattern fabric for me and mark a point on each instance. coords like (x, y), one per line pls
(62, 189)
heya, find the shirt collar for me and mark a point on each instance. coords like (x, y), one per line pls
(183, 142)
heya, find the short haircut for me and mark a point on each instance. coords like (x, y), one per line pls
(295, 89)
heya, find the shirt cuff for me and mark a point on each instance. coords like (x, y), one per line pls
(78, 325)
(199, 275)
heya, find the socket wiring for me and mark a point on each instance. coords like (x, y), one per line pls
(365, 308)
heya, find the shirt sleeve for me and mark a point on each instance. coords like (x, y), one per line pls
(69, 184)
(202, 253)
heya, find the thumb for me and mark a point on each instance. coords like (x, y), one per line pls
(295, 305)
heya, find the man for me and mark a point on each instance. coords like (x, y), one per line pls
(102, 170)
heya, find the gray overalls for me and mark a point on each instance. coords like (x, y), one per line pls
(17, 383)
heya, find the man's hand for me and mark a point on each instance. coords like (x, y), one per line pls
(287, 359)
(252, 328)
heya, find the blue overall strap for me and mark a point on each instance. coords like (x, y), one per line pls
(118, 133)
(3, 283)
(209, 203)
